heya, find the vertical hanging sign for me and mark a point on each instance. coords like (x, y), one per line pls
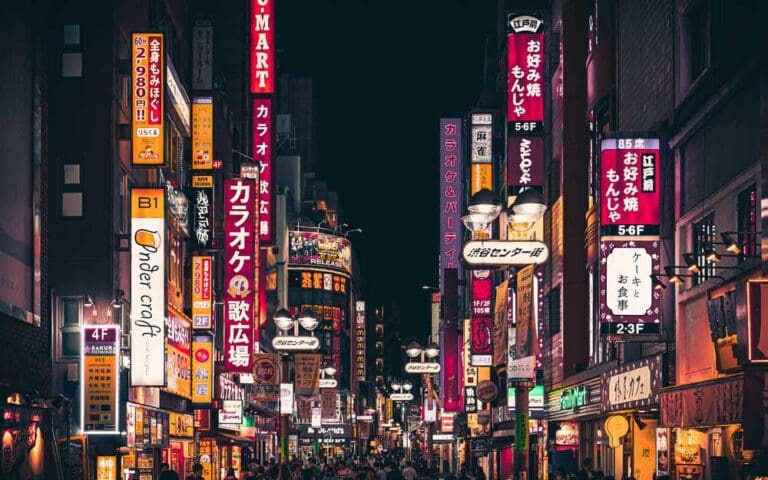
(482, 321)
(262, 153)
(450, 193)
(202, 369)
(525, 74)
(262, 46)
(202, 292)
(147, 111)
(202, 55)
(100, 380)
(360, 340)
(148, 287)
(202, 133)
(239, 251)
(201, 195)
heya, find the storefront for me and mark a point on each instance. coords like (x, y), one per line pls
(147, 434)
(23, 442)
(327, 442)
(180, 453)
(630, 403)
(574, 416)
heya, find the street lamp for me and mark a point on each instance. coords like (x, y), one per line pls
(396, 385)
(330, 370)
(283, 319)
(432, 350)
(407, 386)
(530, 204)
(308, 320)
(484, 202)
(417, 362)
(413, 349)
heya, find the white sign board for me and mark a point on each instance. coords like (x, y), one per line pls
(231, 412)
(418, 367)
(629, 290)
(291, 343)
(630, 386)
(286, 399)
(504, 253)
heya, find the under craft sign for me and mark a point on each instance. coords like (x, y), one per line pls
(502, 253)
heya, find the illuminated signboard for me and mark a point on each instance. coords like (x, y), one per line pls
(629, 305)
(525, 74)
(482, 140)
(178, 359)
(147, 106)
(239, 270)
(262, 27)
(450, 192)
(202, 369)
(262, 153)
(100, 380)
(482, 319)
(202, 133)
(202, 292)
(201, 196)
(320, 250)
(630, 171)
(360, 340)
(148, 287)
(525, 161)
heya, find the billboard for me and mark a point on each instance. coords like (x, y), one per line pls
(360, 340)
(450, 193)
(178, 359)
(202, 369)
(262, 52)
(525, 76)
(630, 171)
(202, 292)
(525, 161)
(148, 287)
(239, 269)
(262, 153)
(202, 55)
(320, 250)
(100, 380)
(202, 133)
(482, 319)
(629, 305)
(201, 197)
(147, 113)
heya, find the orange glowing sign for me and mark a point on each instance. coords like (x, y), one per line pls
(148, 114)
(202, 133)
(482, 177)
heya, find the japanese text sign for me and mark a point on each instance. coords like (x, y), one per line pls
(630, 172)
(307, 373)
(201, 196)
(469, 372)
(628, 302)
(482, 143)
(178, 362)
(202, 369)
(450, 192)
(239, 274)
(498, 253)
(633, 385)
(202, 133)
(202, 292)
(525, 161)
(262, 153)
(262, 46)
(148, 287)
(148, 115)
(525, 314)
(482, 320)
(100, 379)
(360, 340)
(202, 55)
(525, 80)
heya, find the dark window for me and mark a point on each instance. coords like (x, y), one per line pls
(553, 302)
(697, 21)
(703, 242)
(746, 211)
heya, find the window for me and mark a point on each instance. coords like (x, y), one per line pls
(695, 23)
(746, 211)
(71, 189)
(703, 242)
(71, 34)
(69, 317)
(553, 301)
(72, 64)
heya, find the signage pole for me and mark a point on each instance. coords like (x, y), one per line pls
(521, 454)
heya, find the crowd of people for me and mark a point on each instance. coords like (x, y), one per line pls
(379, 468)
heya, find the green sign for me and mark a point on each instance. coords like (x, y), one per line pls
(521, 431)
(573, 398)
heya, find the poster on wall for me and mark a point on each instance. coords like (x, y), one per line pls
(148, 287)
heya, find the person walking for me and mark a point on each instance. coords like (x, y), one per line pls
(409, 473)
(231, 475)
(166, 473)
(197, 472)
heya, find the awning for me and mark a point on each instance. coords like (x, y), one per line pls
(234, 438)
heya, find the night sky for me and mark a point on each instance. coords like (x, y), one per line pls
(384, 73)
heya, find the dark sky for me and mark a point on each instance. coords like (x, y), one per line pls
(384, 73)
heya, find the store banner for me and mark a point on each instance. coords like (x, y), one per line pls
(202, 292)
(202, 133)
(450, 193)
(202, 369)
(231, 412)
(181, 425)
(240, 200)
(500, 324)
(178, 361)
(525, 319)
(304, 407)
(262, 154)
(328, 403)
(148, 288)
(470, 372)
(633, 385)
(360, 358)
(482, 318)
(147, 109)
(265, 373)
(525, 74)
(709, 404)
(100, 379)
(307, 373)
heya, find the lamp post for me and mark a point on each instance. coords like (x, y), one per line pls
(422, 360)
(484, 209)
(286, 344)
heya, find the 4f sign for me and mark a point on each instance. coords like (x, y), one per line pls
(262, 46)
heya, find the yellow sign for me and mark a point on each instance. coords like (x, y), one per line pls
(106, 468)
(482, 177)
(202, 181)
(181, 425)
(202, 133)
(470, 372)
(616, 426)
(100, 379)
(147, 108)
(178, 345)
(202, 369)
(202, 292)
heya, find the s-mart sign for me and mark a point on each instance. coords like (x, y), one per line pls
(262, 46)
